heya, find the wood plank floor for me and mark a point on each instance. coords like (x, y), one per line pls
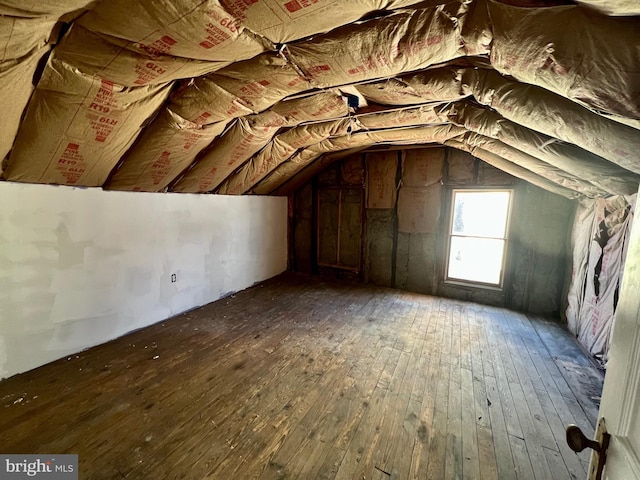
(304, 378)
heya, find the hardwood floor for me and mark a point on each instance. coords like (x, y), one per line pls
(303, 378)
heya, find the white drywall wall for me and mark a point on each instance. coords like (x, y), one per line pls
(79, 267)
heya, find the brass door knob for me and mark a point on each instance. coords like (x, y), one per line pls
(578, 441)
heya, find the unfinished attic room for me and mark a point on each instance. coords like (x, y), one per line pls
(320, 239)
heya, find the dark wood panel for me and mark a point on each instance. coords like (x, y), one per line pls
(304, 378)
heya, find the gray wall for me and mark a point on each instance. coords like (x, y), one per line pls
(79, 267)
(538, 255)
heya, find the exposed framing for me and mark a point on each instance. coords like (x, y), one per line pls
(338, 264)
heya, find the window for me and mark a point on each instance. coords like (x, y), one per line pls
(478, 236)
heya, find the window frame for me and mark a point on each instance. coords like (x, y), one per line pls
(505, 254)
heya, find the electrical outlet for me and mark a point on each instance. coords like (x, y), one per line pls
(173, 278)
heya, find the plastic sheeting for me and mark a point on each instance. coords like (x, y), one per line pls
(599, 239)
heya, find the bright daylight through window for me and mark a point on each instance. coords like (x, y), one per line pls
(478, 236)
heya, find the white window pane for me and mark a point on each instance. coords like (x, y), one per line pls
(480, 214)
(476, 259)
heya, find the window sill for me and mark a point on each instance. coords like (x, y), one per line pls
(475, 285)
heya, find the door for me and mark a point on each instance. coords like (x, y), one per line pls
(620, 405)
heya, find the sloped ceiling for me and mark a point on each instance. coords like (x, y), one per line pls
(242, 96)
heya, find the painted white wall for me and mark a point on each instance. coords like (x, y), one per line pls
(79, 267)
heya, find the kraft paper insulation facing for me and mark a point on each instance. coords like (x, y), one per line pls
(260, 82)
(20, 37)
(301, 179)
(23, 43)
(441, 84)
(419, 209)
(548, 47)
(381, 179)
(460, 167)
(170, 144)
(406, 117)
(281, 149)
(413, 40)
(600, 235)
(165, 149)
(93, 123)
(569, 73)
(207, 27)
(490, 175)
(422, 167)
(538, 109)
(505, 166)
(286, 20)
(250, 134)
(305, 157)
(27, 30)
(203, 30)
(67, 9)
(203, 101)
(110, 59)
(420, 195)
(398, 136)
(532, 163)
(16, 79)
(352, 171)
(570, 158)
(614, 7)
(286, 144)
(238, 145)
